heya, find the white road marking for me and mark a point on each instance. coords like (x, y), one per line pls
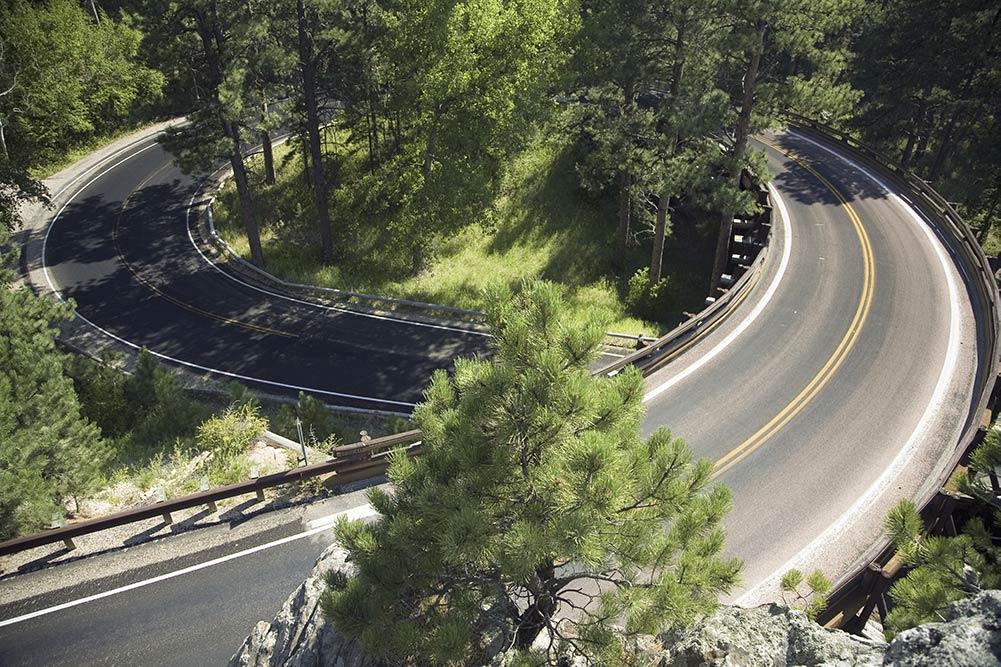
(355, 513)
(52, 286)
(883, 482)
(758, 308)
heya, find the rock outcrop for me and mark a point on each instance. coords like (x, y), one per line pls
(300, 636)
(766, 636)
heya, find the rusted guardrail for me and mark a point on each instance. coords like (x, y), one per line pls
(362, 460)
(857, 592)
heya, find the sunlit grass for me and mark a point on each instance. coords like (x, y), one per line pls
(542, 226)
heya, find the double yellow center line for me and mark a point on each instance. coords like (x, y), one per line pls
(160, 293)
(743, 450)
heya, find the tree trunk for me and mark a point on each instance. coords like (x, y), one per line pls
(430, 145)
(741, 135)
(247, 210)
(538, 615)
(308, 69)
(3, 142)
(659, 231)
(625, 205)
(664, 200)
(916, 123)
(269, 157)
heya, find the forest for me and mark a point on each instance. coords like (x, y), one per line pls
(409, 120)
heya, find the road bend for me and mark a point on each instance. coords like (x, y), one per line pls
(834, 389)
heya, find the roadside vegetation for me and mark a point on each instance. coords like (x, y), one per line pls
(941, 569)
(542, 224)
(535, 500)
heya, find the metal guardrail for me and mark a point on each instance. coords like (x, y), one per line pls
(854, 592)
(362, 460)
(258, 273)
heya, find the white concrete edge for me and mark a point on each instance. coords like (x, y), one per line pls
(751, 317)
(312, 528)
(806, 558)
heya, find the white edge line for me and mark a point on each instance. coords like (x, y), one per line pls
(48, 279)
(758, 308)
(311, 304)
(360, 512)
(904, 456)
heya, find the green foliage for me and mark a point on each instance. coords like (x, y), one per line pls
(811, 598)
(941, 569)
(49, 452)
(66, 77)
(230, 434)
(533, 493)
(646, 300)
(930, 73)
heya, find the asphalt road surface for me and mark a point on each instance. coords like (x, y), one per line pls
(852, 359)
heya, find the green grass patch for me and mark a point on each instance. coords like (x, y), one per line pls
(543, 225)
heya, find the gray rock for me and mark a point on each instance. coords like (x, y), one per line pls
(766, 636)
(300, 636)
(970, 637)
(769, 635)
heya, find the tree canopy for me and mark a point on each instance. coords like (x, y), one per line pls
(534, 497)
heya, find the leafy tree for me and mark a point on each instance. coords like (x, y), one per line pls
(49, 453)
(534, 497)
(64, 78)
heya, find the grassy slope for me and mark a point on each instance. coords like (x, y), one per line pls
(542, 225)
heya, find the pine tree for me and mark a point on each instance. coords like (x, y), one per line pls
(944, 569)
(49, 453)
(534, 498)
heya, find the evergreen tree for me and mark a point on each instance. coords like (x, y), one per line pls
(534, 498)
(785, 54)
(49, 453)
(944, 569)
(219, 39)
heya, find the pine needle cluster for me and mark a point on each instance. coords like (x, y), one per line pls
(536, 517)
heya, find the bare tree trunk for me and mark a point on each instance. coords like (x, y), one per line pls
(247, 209)
(93, 8)
(3, 143)
(307, 67)
(664, 200)
(430, 146)
(659, 232)
(269, 157)
(741, 135)
(213, 44)
(916, 124)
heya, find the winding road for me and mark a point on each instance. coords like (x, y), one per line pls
(836, 388)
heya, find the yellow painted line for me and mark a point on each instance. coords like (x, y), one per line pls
(848, 341)
(156, 290)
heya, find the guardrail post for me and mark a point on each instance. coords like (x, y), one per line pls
(161, 496)
(204, 486)
(254, 474)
